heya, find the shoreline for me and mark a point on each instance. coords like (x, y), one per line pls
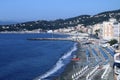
(34, 33)
(50, 72)
(69, 69)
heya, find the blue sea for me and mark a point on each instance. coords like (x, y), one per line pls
(22, 59)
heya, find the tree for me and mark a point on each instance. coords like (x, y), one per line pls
(113, 41)
(97, 32)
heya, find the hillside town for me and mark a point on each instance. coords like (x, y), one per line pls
(107, 30)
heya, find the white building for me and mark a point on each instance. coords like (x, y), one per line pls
(107, 29)
(116, 30)
(50, 31)
(111, 30)
(89, 31)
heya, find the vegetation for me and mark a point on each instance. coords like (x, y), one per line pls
(97, 32)
(80, 31)
(63, 23)
(113, 41)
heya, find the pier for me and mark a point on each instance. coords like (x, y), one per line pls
(60, 39)
(63, 39)
(73, 37)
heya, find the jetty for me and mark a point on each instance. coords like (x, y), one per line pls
(63, 39)
(73, 37)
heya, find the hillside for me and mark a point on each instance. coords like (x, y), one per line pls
(62, 23)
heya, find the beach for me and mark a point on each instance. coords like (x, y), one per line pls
(74, 65)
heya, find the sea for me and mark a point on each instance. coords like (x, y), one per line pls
(22, 59)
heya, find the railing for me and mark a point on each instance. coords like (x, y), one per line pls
(106, 72)
(80, 73)
(92, 73)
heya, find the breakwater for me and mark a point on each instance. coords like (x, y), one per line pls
(64, 39)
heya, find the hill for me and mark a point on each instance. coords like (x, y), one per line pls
(63, 23)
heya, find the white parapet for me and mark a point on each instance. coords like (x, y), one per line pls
(91, 74)
(106, 72)
(80, 73)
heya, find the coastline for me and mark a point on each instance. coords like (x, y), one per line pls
(35, 32)
(69, 69)
(59, 66)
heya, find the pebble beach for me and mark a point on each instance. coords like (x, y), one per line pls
(76, 66)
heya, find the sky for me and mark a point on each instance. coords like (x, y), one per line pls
(29, 10)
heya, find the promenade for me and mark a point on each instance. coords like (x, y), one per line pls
(96, 63)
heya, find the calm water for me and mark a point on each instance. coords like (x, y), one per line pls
(21, 59)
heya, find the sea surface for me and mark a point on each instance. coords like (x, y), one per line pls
(22, 59)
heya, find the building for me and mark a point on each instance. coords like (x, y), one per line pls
(107, 30)
(111, 30)
(89, 31)
(116, 31)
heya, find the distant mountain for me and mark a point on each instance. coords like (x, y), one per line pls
(63, 23)
(7, 22)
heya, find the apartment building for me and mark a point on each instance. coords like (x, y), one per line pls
(107, 30)
(116, 30)
(111, 30)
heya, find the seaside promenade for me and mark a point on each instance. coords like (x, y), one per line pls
(96, 63)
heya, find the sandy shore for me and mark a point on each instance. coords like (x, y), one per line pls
(70, 68)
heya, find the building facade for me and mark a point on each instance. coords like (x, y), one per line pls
(107, 30)
(116, 30)
(111, 30)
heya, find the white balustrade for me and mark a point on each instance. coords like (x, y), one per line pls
(89, 76)
(106, 72)
(80, 73)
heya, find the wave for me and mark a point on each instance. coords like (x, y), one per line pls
(60, 63)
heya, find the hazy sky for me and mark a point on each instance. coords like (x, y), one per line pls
(27, 10)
